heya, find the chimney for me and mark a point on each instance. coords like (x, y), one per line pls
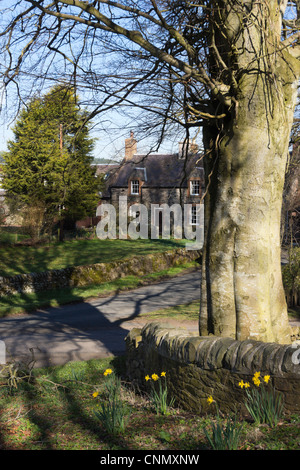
(191, 146)
(194, 147)
(130, 147)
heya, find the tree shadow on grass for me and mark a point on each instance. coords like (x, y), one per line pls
(79, 332)
(61, 413)
(42, 258)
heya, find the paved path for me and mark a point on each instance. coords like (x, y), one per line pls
(91, 329)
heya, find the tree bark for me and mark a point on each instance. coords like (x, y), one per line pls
(242, 295)
(242, 288)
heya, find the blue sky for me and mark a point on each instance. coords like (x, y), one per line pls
(108, 145)
(110, 130)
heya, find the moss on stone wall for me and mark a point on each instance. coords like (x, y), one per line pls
(96, 273)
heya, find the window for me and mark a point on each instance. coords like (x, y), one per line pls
(194, 216)
(195, 187)
(135, 187)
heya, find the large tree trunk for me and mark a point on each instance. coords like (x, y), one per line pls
(242, 294)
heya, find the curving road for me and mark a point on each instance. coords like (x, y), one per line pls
(91, 329)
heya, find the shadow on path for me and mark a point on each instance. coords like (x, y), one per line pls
(93, 329)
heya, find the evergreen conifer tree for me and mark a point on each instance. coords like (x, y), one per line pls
(47, 167)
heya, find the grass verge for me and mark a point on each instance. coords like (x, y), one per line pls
(55, 410)
(180, 313)
(17, 259)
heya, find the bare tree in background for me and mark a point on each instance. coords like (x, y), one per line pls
(290, 220)
(227, 67)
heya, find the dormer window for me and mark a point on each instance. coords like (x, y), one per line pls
(195, 187)
(135, 187)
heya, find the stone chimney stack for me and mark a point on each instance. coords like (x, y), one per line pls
(191, 146)
(194, 147)
(130, 146)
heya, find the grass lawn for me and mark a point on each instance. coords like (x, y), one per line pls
(18, 259)
(55, 410)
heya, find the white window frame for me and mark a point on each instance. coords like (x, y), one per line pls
(192, 187)
(195, 216)
(133, 185)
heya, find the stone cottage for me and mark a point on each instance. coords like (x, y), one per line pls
(157, 180)
(153, 180)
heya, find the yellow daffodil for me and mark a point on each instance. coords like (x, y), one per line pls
(147, 378)
(163, 374)
(95, 394)
(210, 400)
(256, 375)
(266, 378)
(108, 372)
(243, 384)
(256, 381)
(154, 377)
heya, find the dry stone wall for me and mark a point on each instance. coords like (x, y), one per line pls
(199, 367)
(96, 273)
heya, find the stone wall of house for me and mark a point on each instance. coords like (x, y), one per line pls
(154, 196)
(198, 367)
(96, 273)
(151, 197)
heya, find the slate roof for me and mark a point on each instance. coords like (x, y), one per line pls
(156, 170)
(105, 167)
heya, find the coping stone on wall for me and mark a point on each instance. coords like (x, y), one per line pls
(212, 353)
(200, 366)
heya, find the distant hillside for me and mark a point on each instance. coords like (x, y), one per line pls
(104, 161)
